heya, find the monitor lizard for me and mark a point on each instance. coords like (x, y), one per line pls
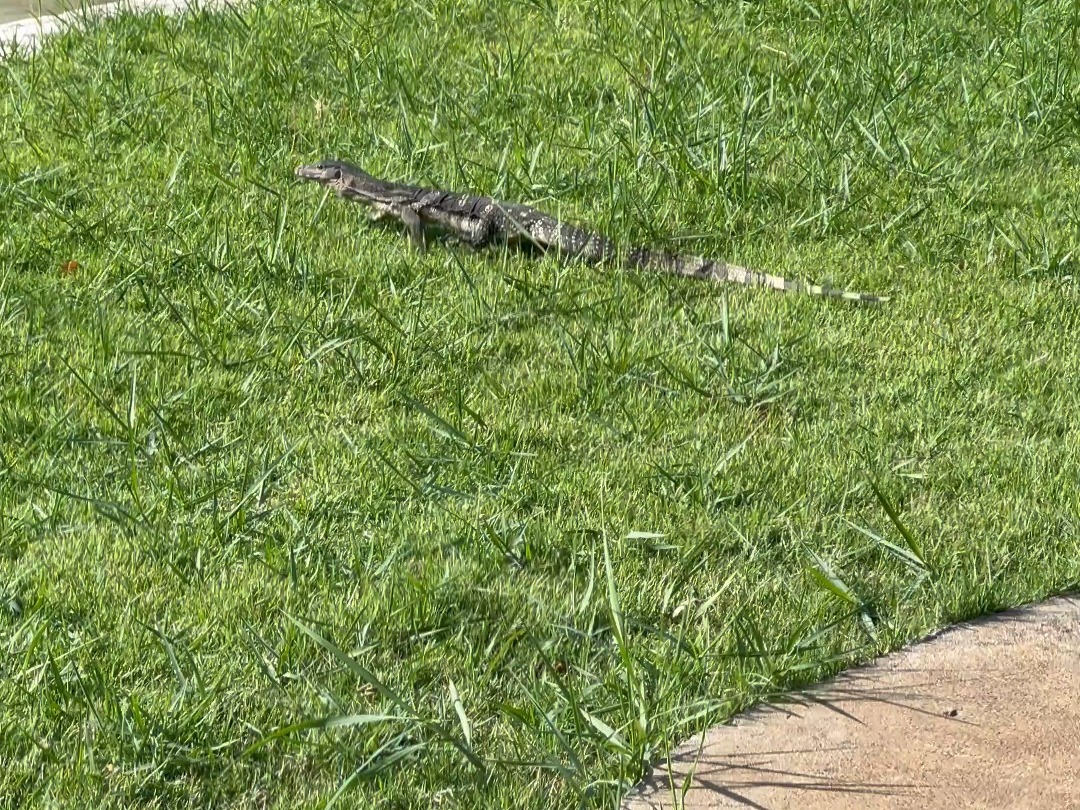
(482, 221)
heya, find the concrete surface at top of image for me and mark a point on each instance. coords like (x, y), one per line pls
(18, 9)
(25, 33)
(983, 714)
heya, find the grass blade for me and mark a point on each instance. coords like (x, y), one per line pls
(914, 546)
(361, 672)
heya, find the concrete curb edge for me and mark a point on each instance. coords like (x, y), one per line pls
(26, 35)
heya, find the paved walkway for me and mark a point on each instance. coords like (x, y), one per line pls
(982, 715)
(26, 34)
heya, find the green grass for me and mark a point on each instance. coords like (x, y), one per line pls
(523, 527)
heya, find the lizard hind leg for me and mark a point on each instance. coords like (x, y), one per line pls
(479, 235)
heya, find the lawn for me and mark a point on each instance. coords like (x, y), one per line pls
(292, 515)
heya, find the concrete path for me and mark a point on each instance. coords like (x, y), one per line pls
(983, 715)
(26, 34)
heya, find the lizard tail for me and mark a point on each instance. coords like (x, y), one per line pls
(697, 267)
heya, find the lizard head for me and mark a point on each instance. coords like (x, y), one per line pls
(344, 178)
(328, 172)
(353, 183)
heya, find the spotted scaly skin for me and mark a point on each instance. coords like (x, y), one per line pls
(483, 221)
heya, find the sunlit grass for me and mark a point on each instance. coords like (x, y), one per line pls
(291, 515)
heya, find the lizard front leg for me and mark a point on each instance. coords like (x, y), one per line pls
(413, 225)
